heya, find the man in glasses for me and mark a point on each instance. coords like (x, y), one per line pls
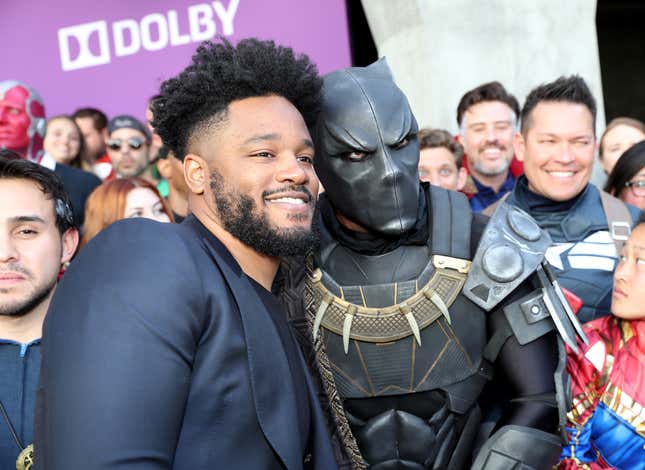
(22, 130)
(128, 147)
(557, 143)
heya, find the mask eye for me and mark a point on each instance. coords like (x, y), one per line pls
(401, 143)
(354, 156)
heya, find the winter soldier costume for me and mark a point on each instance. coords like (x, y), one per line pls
(404, 322)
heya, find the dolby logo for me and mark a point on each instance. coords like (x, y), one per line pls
(97, 43)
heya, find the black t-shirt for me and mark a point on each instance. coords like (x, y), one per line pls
(296, 364)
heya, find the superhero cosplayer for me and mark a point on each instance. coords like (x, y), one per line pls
(583, 251)
(22, 120)
(607, 422)
(397, 304)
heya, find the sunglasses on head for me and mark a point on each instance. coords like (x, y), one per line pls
(135, 143)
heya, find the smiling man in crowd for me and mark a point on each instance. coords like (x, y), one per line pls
(487, 118)
(557, 144)
(37, 236)
(186, 360)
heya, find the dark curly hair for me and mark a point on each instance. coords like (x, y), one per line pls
(221, 73)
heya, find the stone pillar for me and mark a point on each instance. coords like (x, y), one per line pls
(439, 49)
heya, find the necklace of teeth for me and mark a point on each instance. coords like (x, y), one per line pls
(394, 322)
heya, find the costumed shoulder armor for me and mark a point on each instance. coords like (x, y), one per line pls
(510, 249)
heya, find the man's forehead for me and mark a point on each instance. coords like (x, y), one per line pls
(561, 117)
(489, 111)
(85, 123)
(127, 132)
(251, 120)
(21, 197)
(438, 155)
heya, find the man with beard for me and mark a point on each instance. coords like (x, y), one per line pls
(38, 238)
(410, 303)
(128, 145)
(487, 118)
(185, 360)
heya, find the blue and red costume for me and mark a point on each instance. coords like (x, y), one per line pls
(606, 423)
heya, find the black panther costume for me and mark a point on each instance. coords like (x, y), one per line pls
(404, 318)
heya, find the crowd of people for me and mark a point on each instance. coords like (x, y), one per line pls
(438, 301)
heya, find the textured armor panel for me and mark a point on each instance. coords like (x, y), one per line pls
(402, 366)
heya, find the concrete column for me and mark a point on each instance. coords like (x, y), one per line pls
(439, 49)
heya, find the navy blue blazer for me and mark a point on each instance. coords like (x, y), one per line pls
(159, 354)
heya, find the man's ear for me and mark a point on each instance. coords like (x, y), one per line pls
(519, 146)
(70, 243)
(196, 173)
(462, 176)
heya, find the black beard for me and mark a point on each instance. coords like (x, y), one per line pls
(22, 308)
(240, 217)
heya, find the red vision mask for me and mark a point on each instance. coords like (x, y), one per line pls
(22, 120)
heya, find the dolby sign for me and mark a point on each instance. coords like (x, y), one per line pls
(115, 55)
(99, 42)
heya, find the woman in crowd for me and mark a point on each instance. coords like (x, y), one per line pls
(606, 425)
(627, 180)
(122, 199)
(620, 134)
(64, 141)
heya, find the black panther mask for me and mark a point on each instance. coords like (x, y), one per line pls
(367, 154)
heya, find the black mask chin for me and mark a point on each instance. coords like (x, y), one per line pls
(367, 154)
(239, 216)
